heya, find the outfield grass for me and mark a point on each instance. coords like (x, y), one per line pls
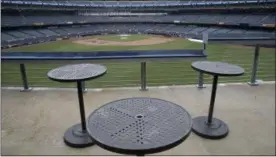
(158, 72)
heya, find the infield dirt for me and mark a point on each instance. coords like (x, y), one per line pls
(100, 42)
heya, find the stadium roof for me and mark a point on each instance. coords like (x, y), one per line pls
(134, 3)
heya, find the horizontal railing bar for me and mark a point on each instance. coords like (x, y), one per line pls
(149, 69)
(266, 70)
(16, 74)
(149, 81)
(228, 60)
(267, 64)
(263, 74)
(78, 61)
(33, 70)
(230, 56)
(240, 38)
(37, 85)
(137, 68)
(262, 71)
(33, 81)
(12, 81)
(266, 75)
(150, 77)
(167, 82)
(193, 82)
(159, 63)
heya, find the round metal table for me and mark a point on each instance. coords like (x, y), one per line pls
(139, 126)
(77, 136)
(209, 127)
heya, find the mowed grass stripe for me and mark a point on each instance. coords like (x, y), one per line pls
(124, 74)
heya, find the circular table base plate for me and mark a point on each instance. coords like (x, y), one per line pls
(218, 129)
(74, 137)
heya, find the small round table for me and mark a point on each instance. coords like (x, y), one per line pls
(139, 126)
(209, 127)
(77, 136)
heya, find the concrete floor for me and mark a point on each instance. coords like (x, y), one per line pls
(33, 123)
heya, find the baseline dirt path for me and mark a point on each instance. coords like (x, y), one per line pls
(99, 42)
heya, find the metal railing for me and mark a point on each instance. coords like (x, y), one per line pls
(121, 73)
(257, 65)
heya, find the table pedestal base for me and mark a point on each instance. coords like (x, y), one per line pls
(216, 130)
(75, 137)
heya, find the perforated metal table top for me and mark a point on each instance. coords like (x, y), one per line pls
(139, 125)
(76, 72)
(218, 68)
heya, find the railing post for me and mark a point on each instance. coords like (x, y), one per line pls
(200, 74)
(204, 47)
(84, 90)
(200, 81)
(143, 77)
(24, 79)
(253, 81)
(204, 41)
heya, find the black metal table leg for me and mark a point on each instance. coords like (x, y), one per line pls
(77, 135)
(210, 127)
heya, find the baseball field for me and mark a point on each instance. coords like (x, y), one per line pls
(159, 73)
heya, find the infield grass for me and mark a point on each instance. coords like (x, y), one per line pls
(158, 72)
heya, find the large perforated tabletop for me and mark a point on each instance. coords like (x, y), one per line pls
(139, 126)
